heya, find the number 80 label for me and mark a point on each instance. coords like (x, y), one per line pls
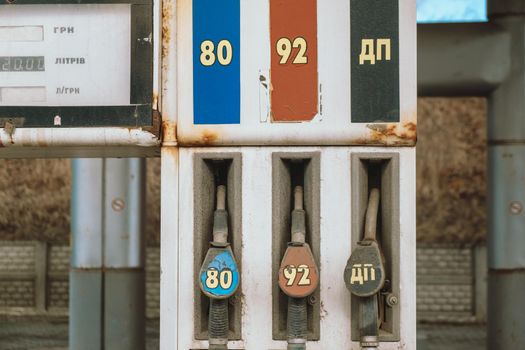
(219, 277)
(214, 278)
(223, 54)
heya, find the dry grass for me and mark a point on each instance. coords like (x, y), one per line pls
(153, 202)
(451, 163)
(451, 170)
(35, 200)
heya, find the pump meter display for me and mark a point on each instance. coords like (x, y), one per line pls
(68, 64)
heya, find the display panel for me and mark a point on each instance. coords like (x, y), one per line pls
(71, 63)
(81, 54)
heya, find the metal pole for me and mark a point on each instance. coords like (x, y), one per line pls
(124, 290)
(506, 127)
(107, 264)
(85, 281)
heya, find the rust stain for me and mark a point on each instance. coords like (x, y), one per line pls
(411, 126)
(172, 152)
(169, 132)
(393, 134)
(167, 16)
(208, 137)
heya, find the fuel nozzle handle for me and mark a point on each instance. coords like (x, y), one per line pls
(220, 218)
(219, 277)
(298, 229)
(298, 275)
(372, 211)
(365, 275)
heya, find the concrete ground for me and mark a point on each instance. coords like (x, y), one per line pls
(452, 337)
(51, 334)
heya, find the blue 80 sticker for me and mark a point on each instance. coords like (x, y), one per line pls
(220, 278)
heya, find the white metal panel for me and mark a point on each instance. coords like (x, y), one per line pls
(169, 248)
(169, 72)
(85, 54)
(333, 126)
(256, 263)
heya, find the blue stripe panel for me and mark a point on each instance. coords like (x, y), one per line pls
(216, 88)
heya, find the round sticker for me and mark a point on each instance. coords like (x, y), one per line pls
(219, 277)
(298, 274)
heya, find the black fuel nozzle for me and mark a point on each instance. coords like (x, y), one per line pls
(365, 276)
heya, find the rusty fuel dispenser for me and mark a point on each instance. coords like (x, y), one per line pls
(305, 106)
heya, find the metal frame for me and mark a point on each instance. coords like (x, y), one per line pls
(138, 113)
(105, 141)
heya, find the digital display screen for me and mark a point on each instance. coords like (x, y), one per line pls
(22, 63)
(21, 33)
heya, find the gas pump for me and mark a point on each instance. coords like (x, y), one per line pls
(309, 109)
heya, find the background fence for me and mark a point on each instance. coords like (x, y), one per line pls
(34, 280)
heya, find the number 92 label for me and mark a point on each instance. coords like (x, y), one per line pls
(219, 277)
(298, 274)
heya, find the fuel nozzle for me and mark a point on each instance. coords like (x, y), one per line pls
(219, 276)
(365, 276)
(298, 275)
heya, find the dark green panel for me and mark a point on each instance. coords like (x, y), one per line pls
(141, 53)
(41, 117)
(374, 85)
